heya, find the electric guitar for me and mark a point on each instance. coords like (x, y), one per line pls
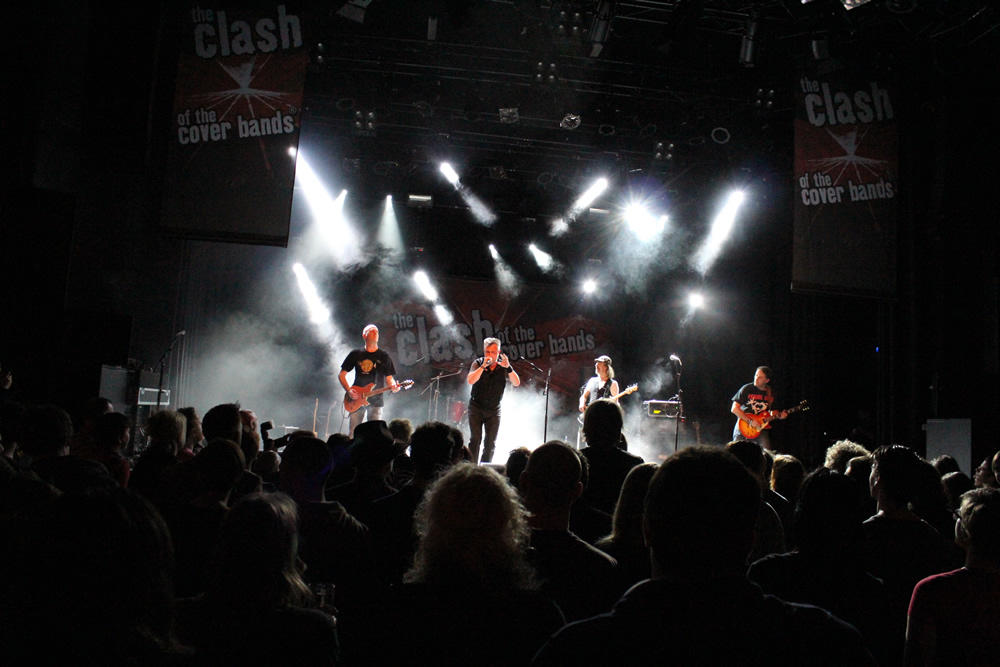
(751, 431)
(353, 404)
(628, 390)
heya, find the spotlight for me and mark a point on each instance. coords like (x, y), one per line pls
(444, 315)
(424, 283)
(695, 300)
(420, 201)
(542, 258)
(589, 286)
(493, 252)
(592, 193)
(643, 223)
(721, 228)
(318, 313)
(292, 151)
(449, 173)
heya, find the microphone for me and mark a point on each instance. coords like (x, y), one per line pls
(180, 333)
(674, 357)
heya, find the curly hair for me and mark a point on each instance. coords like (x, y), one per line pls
(473, 529)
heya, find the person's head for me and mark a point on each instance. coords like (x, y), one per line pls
(516, 462)
(46, 431)
(841, 452)
(112, 431)
(895, 473)
(223, 421)
(602, 423)
(250, 445)
(786, 476)
(370, 334)
(762, 377)
(955, 484)
(829, 514)
(945, 464)
(551, 480)
(603, 367)
(859, 469)
(473, 531)
(983, 475)
(373, 448)
(626, 524)
(305, 461)
(92, 410)
(219, 466)
(978, 526)
(751, 455)
(166, 428)
(701, 510)
(401, 429)
(194, 435)
(256, 562)
(432, 450)
(491, 350)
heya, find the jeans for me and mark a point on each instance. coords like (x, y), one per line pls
(478, 419)
(374, 414)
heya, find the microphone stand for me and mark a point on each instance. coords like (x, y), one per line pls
(545, 427)
(162, 364)
(432, 403)
(680, 402)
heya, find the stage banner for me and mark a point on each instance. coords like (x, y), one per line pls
(236, 120)
(540, 329)
(846, 186)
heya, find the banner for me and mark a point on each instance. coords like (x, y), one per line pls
(846, 186)
(236, 121)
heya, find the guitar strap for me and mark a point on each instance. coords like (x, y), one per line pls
(605, 390)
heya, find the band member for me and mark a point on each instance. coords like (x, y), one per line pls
(751, 403)
(603, 385)
(488, 377)
(370, 365)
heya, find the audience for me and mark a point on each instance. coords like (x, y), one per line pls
(625, 543)
(699, 607)
(840, 453)
(256, 608)
(579, 577)
(609, 464)
(953, 617)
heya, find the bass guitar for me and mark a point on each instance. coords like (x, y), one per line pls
(353, 404)
(628, 390)
(752, 431)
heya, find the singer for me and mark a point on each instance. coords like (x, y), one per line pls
(488, 377)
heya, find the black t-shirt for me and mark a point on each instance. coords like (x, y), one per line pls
(369, 367)
(488, 391)
(752, 400)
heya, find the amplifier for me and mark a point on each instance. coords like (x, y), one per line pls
(147, 396)
(661, 409)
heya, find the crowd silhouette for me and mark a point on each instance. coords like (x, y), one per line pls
(212, 544)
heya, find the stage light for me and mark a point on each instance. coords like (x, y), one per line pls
(424, 283)
(449, 173)
(493, 252)
(292, 151)
(695, 300)
(722, 226)
(444, 315)
(542, 258)
(592, 193)
(388, 231)
(318, 313)
(589, 286)
(644, 224)
(341, 240)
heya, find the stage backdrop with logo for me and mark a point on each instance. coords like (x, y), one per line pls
(846, 186)
(540, 329)
(236, 120)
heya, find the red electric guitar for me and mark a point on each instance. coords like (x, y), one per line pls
(751, 431)
(353, 404)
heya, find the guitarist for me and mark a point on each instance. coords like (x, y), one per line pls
(370, 364)
(752, 403)
(603, 385)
